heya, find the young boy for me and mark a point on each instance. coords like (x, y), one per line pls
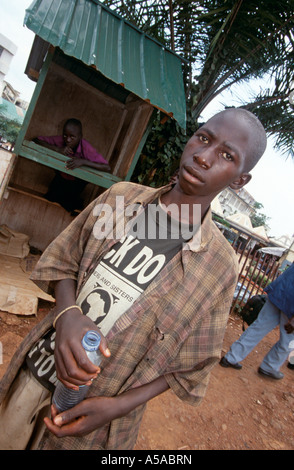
(161, 303)
(64, 188)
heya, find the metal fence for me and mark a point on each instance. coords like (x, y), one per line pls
(257, 270)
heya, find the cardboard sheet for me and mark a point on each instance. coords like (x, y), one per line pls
(18, 294)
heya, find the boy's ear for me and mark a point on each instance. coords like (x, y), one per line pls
(241, 181)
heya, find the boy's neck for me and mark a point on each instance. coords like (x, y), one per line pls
(175, 196)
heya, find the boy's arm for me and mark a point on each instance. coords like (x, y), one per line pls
(43, 143)
(77, 162)
(95, 412)
(128, 401)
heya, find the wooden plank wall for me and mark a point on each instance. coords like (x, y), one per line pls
(42, 221)
(7, 162)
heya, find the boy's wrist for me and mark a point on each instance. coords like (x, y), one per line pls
(65, 312)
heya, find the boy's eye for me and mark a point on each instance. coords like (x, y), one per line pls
(227, 156)
(203, 138)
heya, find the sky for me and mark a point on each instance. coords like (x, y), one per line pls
(12, 14)
(272, 182)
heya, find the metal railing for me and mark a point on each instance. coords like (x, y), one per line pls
(257, 270)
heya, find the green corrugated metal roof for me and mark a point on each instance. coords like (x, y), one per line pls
(92, 33)
(11, 111)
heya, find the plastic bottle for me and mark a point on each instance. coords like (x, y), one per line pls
(65, 398)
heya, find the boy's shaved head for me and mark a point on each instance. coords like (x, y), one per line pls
(258, 140)
(74, 122)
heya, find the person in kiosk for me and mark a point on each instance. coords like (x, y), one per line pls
(162, 303)
(64, 188)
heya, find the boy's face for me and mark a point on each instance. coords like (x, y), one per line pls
(215, 157)
(71, 136)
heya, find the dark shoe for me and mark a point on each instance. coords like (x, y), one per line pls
(291, 366)
(224, 363)
(274, 375)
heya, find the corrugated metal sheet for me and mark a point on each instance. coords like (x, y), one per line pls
(92, 33)
(11, 111)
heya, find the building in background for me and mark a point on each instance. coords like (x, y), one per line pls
(7, 52)
(12, 108)
(237, 201)
(13, 96)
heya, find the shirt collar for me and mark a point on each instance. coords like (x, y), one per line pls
(201, 239)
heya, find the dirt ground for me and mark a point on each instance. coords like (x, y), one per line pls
(241, 410)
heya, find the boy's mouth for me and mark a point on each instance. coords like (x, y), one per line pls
(194, 173)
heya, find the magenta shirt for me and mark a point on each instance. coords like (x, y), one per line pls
(84, 150)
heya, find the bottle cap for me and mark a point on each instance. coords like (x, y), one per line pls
(91, 340)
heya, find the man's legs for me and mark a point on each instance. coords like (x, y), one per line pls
(279, 353)
(267, 320)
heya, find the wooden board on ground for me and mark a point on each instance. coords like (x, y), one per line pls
(18, 294)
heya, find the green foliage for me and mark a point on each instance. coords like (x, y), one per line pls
(161, 154)
(259, 278)
(258, 218)
(9, 128)
(220, 220)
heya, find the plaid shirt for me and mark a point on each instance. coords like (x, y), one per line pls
(175, 328)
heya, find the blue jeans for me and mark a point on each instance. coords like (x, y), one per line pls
(269, 317)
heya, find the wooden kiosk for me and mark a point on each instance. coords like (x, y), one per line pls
(92, 65)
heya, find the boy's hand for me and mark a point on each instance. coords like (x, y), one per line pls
(67, 151)
(73, 368)
(83, 418)
(74, 163)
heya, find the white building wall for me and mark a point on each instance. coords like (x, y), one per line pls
(7, 51)
(232, 202)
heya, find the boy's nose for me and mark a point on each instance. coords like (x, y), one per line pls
(203, 160)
